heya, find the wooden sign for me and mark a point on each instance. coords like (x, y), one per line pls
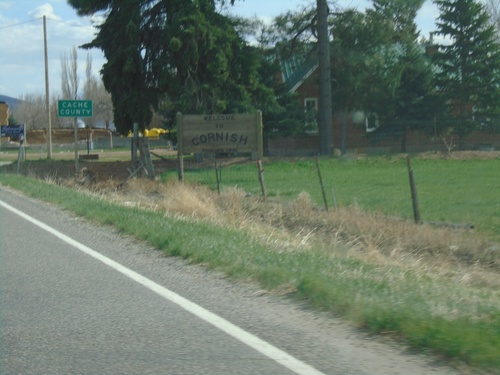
(219, 133)
(228, 133)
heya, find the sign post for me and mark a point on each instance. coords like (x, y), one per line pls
(75, 109)
(16, 132)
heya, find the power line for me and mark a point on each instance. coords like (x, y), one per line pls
(69, 23)
(20, 23)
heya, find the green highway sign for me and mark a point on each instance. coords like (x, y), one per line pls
(74, 108)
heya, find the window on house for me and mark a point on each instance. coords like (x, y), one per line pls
(311, 115)
(371, 122)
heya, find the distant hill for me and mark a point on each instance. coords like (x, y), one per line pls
(12, 102)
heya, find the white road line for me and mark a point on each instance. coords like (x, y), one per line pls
(270, 351)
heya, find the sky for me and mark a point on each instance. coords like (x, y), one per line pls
(21, 32)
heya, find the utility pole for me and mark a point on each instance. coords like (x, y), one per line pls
(47, 97)
(325, 85)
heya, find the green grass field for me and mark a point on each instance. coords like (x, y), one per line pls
(452, 191)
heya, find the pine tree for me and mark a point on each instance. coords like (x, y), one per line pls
(398, 76)
(398, 18)
(184, 53)
(468, 69)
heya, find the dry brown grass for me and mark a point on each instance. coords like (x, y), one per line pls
(459, 255)
(461, 155)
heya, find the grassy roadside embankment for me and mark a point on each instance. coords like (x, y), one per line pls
(434, 288)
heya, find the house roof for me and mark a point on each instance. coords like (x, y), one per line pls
(296, 68)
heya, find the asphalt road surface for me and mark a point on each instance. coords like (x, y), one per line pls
(76, 298)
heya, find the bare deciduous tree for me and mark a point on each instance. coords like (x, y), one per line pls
(94, 90)
(32, 111)
(493, 8)
(69, 74)
(103, 105)
(58, 122)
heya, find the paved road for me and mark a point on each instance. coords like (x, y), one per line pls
(80, 299)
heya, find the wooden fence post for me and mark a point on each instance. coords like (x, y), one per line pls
(216, 174)
(321, 182)
(261, 179)
(180, 157)
(414, 199)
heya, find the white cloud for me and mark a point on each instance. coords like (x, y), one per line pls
(5, 5)
(23, 64)
(44, 10)
(266, 20)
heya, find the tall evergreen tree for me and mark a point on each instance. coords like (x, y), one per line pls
(398, 78)
(184, 53)
(309, 27)
(398, 18)
(124, 73)
(468, 69)
(350, 47)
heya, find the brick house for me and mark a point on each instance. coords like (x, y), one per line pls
(300, 75)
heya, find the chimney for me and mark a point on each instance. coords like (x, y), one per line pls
(431, 48)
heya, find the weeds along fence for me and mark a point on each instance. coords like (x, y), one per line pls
(282, 179)
(437, 188)
(225, 171)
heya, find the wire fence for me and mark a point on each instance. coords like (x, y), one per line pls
(357, 140)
